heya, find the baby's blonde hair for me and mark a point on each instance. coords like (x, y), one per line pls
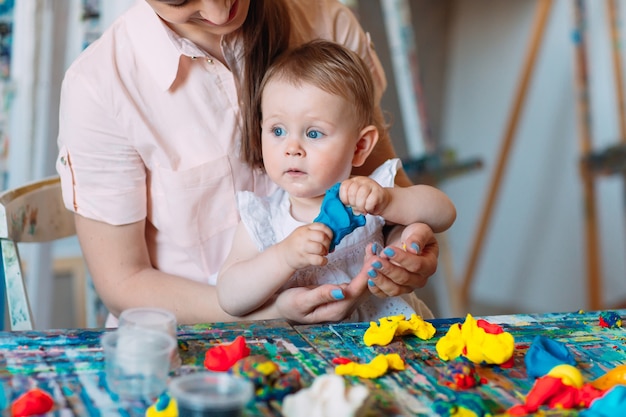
(330, 67)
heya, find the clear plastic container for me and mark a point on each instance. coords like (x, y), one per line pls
(211, 394)
(137, 362)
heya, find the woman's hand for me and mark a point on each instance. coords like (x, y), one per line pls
(405, 264)
(324, 303)
(393, 271)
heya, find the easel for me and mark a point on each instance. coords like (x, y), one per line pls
(610, 161)
(540, 23)
(585, 144)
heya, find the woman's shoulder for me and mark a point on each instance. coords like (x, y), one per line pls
(334, 21)
(96, 60)
(119, 45)
(327, 19)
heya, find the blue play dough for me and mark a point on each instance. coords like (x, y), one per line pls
(611, 404)
(339, 217)
(5, 396)
(544, 354)
(162, 402)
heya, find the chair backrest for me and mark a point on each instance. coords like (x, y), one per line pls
(33, 212)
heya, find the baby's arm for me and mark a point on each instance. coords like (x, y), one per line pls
(400, 205)
(249, 278)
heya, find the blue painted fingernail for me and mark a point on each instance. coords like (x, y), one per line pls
(389, 252)
(375, 248)
(415, 247)
(372, 273)
(337, 294)
(371, 283)
(377, 265)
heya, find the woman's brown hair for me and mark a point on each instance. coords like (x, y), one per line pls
(266, 32)
(330, 67)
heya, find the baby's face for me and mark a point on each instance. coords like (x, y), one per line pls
(308, 137)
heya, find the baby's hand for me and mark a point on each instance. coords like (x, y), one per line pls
(364, 195)
(307, 245)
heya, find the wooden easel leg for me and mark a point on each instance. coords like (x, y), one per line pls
(592, 242)
(616, 43)
(613, 16)
(540, 23)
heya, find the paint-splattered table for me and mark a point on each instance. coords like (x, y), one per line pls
(69, 364)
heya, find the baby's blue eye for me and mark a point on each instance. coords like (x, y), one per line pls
(278, 131)
(314, 134)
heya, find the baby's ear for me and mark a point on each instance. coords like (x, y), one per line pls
(368, 136)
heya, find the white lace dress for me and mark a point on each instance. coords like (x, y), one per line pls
(268, 221)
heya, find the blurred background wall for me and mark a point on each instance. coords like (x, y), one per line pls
(471, 56)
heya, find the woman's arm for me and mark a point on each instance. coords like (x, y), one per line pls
(118, 260)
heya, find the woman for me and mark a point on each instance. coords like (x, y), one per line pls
(150, 144)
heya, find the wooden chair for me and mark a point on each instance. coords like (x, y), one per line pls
(30, 213)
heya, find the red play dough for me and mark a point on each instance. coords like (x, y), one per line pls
(32, 403)
(223, 357)
(552, 392)
(488, 327)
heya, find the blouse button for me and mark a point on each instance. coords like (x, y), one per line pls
(209, 61)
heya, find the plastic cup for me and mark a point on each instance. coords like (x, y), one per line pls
(153, 318)
(137, 362)
(211, 394)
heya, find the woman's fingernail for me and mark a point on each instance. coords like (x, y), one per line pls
(371, 283)
(337, 294)
(389, 252)
(372, 273)
(415, 247)
(377, 265)
(375, 248)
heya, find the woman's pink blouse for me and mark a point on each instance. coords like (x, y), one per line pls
(149, 129)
